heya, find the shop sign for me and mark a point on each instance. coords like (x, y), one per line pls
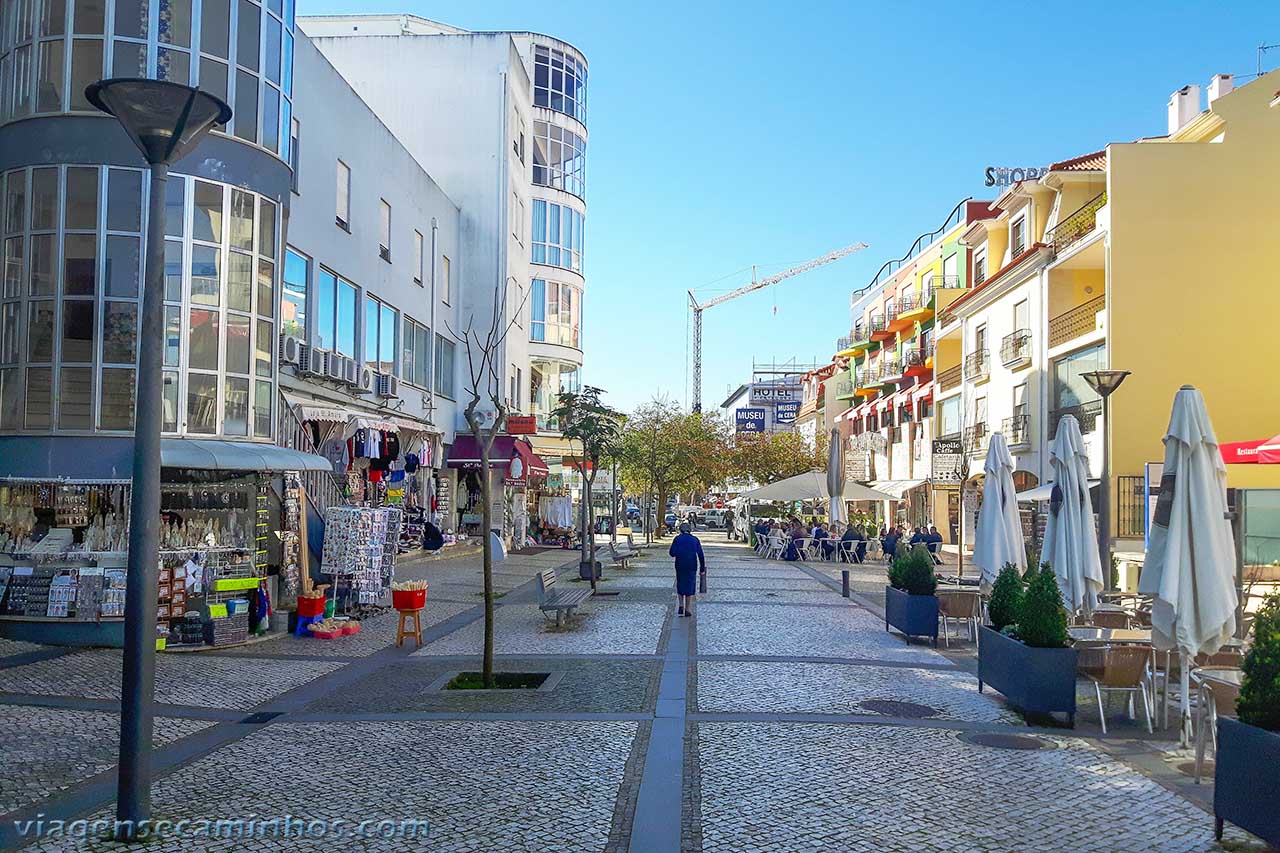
(749, 420)
(522, 425)
(765, 394)
(855, 466)
(1004, 176)
(555, 481)
(947, 460)
(785, 413)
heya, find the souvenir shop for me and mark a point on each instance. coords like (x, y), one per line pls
(551, 515)
(226, 551)
(514, 470)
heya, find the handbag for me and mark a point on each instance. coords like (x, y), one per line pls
(702, 582)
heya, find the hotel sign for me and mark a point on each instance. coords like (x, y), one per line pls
(763, 395)
(1004, 176)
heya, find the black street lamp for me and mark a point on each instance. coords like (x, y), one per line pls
(166, 121)
(1104, 383)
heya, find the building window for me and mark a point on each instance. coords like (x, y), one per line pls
(1018, 237)
(293, 295)
(417, 258)
(949, 417)
(517, 135)
(979, 267)
(444, 366)
(380, 321)
(446, 279)
(557, 235)
(295, 131)
(335, 314)
(517, 218)
(1069, 387)
(555, 313)
(559, 82)
(415, 358)
(344, 197)
(559, 158)
(384, 230)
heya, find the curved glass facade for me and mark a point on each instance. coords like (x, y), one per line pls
(239, 50)
(557, 235)
(548, 379)
(559, 158)
(71, 252)
(559, 82)
(555, 309)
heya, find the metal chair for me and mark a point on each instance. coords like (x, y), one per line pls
(1123, 669)
(1110, 619)
(1214, 699)
(965, 606)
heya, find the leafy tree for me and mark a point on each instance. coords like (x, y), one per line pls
(769, 457)
(1042, 621)
(1259, 702)
(586, 419)
(1006, 597)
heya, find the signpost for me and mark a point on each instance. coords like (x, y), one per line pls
(522, 425)
(785, 413)
(749, 420)
(947, 461)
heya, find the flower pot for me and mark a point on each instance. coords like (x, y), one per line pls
(408, 599)
(1032, 679)
(913, 615)
(1246, 784)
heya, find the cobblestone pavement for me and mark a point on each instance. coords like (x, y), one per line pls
(375, 634)
(597, 628)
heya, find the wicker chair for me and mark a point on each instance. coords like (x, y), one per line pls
(1216, 700)
(1123, 669)
(1110, 619)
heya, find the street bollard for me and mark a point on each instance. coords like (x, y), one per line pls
(844, 582)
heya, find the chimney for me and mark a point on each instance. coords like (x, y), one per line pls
(1184, 105)
(1220, 85)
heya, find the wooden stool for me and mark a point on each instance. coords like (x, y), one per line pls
(403, 631)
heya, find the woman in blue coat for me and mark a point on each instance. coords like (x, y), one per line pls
(689, 559)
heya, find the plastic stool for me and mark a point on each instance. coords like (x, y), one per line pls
(303, 622)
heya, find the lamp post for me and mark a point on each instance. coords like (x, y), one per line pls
(1104, 383)
(166, 121)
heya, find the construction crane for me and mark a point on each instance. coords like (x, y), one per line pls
(698, 308)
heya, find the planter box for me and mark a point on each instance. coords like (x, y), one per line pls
(913, 615)
(1036, 680)
(1246, 784)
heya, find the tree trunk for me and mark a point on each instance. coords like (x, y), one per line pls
(486, 522)
(661, 510)
(589, 515)
(586, 564)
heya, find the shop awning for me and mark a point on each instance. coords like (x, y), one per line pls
(326, 412)
(103, 458)
(1044, 492)
(534, 467)
(465, 452)
(896, 488)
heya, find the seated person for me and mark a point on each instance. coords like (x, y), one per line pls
(920, 537)
(797, 537)
(889, 543)
(432, 538)
(824, 538)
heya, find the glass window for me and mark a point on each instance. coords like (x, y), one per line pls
(175, 22)
(49, 81)
(387, 341)
(270, 117)
(11, 399)
(559, 82)
(10, 352)
(446, 279)
(91, 16)
(204, 340)
(557, 235)
(266, 288)
(949, 416)
(15, 202)
(207, 223)
(246, 107)
(82, 198)
(295, 130)
(248, 41)
(559, 158)
(44, 264)
(417, 257)
(288, 64)
(384, 229)
(117, 398)
(267, 229)
(213, 77)
(263, 350)
(172, 335)
(326, 309)
(293, 296)
(175, 208)
(406, 357)
(77, 330)
(124, 265)
(239, 281)
(346, 325)
(80, 264)
(238, 326)
(172, 271)
(75, 398)
(174, 66)
(371, 332)
(206, 288)
(120, 333)
(129, 59)
(344, 194)
(39, 398)
(262, 406)
(271, 49)
(538, 311)
(170, 397)
(1069, 386)
(215, 23)
(132, 18)
(86, 68)
(124, 200)
(44, 199)
(444, 366)
(422, 356)
(13, 267)
(242, 205)
(53, 17)
(202, 403)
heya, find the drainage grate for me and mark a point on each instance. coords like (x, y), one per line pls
(261, 717)
(895, 708)
(998, 741)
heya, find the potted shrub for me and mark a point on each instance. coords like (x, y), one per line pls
(1246, 781)
(1006, 598)
(909, 602)
(1029, 661)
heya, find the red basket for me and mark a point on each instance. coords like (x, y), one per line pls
(353, 628)
(408, 599)
(311, 606)
(326, 635)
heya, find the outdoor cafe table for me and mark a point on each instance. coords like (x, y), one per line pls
(1110, 635)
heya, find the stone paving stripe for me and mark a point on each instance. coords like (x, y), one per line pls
(84, 703)
(655, 829)
(899, 664)
(25, 658)
(470, 716)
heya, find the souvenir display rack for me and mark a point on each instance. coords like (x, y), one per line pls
(291, 526)
(411, 529)
(360, 547)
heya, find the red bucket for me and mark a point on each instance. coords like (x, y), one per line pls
(309, 607)
(408, 599)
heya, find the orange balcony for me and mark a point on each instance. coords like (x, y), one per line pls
(879, 327)
(915, 308)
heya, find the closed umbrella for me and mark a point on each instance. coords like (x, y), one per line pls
(1190, 565)
(999, 537)
(835, 477)
(1070, 536)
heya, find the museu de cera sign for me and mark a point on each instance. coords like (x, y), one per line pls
(1006, 176)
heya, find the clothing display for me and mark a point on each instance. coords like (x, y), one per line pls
(338, 454)
(556, 511)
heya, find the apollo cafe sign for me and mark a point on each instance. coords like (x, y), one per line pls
(1004, 176)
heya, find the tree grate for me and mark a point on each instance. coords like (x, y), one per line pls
(261, 717)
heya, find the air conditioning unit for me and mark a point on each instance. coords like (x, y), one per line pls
(290, 349)
(333, 366)
(366, 383)
(388, 386)
(351, 371)
(313, 361)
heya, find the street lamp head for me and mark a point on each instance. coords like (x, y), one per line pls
(165, 120)
(1105, 382)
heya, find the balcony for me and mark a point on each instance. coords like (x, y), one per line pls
(977, 366)
(1085, 413)
(1017, 430)
(1076, 226)
(950, 378)
(1080, 320)
(844, 389)
(975, 438)
(879, 327)
(918, 360)
(914, 308)
(842, 346)
(1015, 349)
(892, 370)
(859, 337)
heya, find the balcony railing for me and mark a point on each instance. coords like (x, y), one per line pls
(1080, 320)
(1017, 430)
(1077, 225)
(891, 312)
(844, 388)
(1085, 413)
(914, 357)
(1015, 348)
(890, 368)
(977, 365)
(875, 323)
(979, 275)
(860, 332)
(944, 281)
(842, 342)
(975, 438)
(950, 378)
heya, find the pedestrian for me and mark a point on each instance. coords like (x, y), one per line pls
(689, 559)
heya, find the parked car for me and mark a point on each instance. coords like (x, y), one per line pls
(671, 520)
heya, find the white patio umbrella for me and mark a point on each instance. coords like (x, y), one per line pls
(999, 536)
(1190, 565)
(1070, 536)
(812, 486)
(835, 478)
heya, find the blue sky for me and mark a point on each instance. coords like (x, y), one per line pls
(726, 134)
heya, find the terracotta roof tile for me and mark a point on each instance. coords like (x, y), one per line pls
(1097, 161)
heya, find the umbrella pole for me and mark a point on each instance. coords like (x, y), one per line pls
(1185, 699)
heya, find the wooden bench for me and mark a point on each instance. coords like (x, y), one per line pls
(562, 601)
(621, 553)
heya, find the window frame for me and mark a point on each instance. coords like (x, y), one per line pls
(419, 257)
(384, 229)
(342, 201)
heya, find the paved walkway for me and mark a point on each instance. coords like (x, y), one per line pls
(781, 717)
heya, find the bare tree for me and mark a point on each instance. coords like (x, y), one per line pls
(484, 383)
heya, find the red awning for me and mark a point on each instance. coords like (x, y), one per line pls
(534, 467)
(1247, 452)
(465, 452)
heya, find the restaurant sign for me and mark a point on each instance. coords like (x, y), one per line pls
(947, 460)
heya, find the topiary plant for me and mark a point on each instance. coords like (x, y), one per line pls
(1259, 702)
(1042, 620)
(1006, 598)
(912, 572)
